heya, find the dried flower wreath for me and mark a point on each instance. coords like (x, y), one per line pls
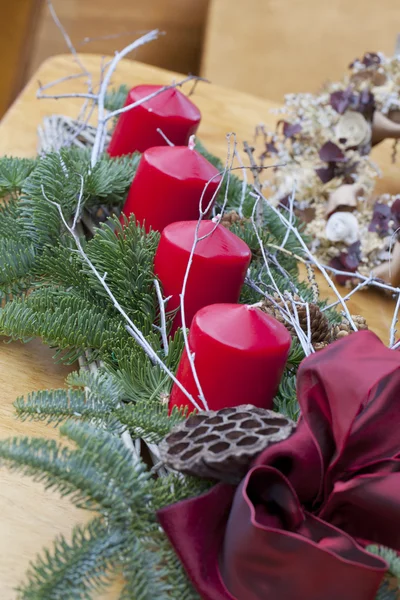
(325, 141)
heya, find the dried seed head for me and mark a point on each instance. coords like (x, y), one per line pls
(222, 444)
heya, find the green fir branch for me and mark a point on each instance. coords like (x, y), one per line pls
(54, 406)
(79, 569)
(64, 321)
(13, 173)
(145, 575)
(126, 254)
(17, 259)
(390, 587)
(88, 475)
(61, 177)
(10, 225)
(148, 420)
(285, 401)
(99, 384)
(101, 402)
(115, 98)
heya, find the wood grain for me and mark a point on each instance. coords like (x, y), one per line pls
(274, 47)
(29, 516)
(179, 49)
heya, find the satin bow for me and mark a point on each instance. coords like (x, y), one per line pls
(294, 529)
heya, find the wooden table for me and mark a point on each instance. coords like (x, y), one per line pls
(29, 517)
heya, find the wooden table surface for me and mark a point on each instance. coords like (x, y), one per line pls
(30, 517)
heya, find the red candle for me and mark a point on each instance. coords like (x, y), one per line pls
(170, 111)
(217, 272)
(239, 353)
(168, 186)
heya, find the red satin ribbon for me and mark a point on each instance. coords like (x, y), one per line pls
(289, 530)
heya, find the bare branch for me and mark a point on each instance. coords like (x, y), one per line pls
(394, 322)
(70, 44)
(102, 119)
(163, 329)
(124, 109)
(311, 257)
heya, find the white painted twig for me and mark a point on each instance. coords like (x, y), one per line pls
(88, 96)
(374, 281)
(102, 118)
(394, 322)
(70, 45)
(311, 257)
(196, 240)
(307, 348)
(360, 286)
(124, 109)
(163, 329)
(61, 80)
(291, 215)
(244, 183)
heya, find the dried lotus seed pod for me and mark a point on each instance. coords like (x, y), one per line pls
(222, 444)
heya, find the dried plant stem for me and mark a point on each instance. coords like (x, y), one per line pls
(394, 322)
(294, 321)
(255, 170)
(176, 84)
(311, 257)
(163, 328)
(69, 43)
(102, 118)
(350, 294)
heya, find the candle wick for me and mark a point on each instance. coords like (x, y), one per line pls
(192, 142)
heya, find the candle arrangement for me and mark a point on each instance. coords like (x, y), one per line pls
(167, 110)
(300, 411)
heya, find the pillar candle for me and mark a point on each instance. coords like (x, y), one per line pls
(171, 111)
(239, 352)
(217, 272)
(168, 185)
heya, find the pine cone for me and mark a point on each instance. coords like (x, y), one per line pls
(222, 444)
(320, 346)
(231, 218)
(320, 330)
(344, 328)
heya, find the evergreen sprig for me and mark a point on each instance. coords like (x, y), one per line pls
(79, 569)
(13, 174)
(102, 474)
(99, 398)
(62, 177)
(390, 587)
